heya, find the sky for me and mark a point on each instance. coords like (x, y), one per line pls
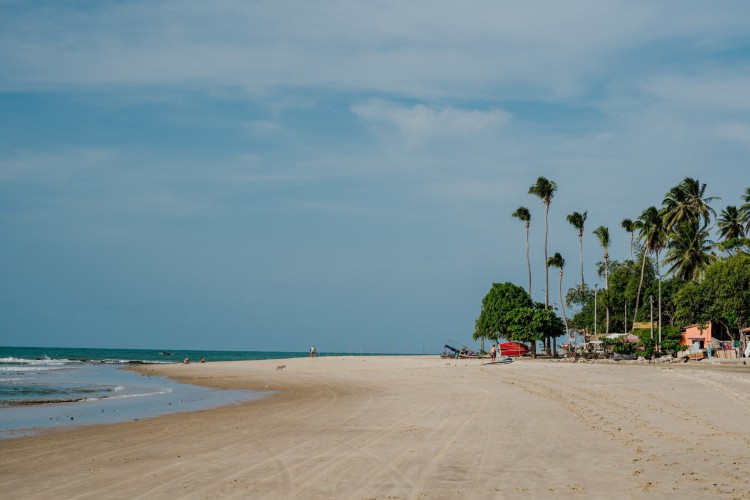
(267, 175)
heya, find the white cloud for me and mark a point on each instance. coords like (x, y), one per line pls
(55, 168)
(421, 123)
(262, 127)
(734, 131)
(715, 93)
(417, 49)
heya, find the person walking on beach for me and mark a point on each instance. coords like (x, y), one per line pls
(493, 353)
(312, 351)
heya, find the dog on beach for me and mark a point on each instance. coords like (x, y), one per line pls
(280, 367)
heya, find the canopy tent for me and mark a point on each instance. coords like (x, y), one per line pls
(625, 337)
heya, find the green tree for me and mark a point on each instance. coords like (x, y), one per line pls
(523, 214)
(544, 189)
(578, 220)
(723, 295)
(602, 233)
(692, 305)
(688, 252)
(687, 202)
(734, 246)
(730, 224)
(623, 283)
(629, 226)
(653, 234)
(558, 261)
(745, 210)
(493, 322)
(529, 324)
(583, 298)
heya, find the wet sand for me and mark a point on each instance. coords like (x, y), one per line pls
(414, 427)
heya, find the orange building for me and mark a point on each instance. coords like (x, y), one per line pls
(704, 334)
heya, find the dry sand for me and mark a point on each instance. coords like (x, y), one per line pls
(414, 427)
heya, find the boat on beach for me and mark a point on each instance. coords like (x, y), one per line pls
(463, 353)
(513, 349)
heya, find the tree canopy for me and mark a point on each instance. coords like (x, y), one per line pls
(498, 305)
(723, 295)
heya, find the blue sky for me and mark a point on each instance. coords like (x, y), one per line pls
(270, 175)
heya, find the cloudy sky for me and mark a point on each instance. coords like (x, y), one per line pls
(266, 175)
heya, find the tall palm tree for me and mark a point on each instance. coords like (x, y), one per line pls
(524, 215)
(686, 202)
(653, 234)
(730, 224)
(629, 226)
(558, 262)
(689, 252)
(745, 210)
(602, 233)
(545, 189)
(577, 220)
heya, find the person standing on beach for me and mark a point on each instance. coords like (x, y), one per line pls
(312, 351)
(493, 353)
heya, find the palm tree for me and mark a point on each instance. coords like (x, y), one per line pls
(629, 226)
(745, 210)
(653, 234)
(524, 215)
(686, 202)
(730, 224)
(603, 234)
(577, 220)
(688, 252)
(558, 262)
(545, 189)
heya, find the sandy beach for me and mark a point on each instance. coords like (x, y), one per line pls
(414, 427)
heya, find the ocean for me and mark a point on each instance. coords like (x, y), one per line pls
(44, 387)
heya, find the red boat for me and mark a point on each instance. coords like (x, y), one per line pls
(513, 349)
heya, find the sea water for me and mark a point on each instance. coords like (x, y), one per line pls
(52, 387)
(43, 387)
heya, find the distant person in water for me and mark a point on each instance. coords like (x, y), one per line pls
(312, 351)
(203, 359)
(187, 360)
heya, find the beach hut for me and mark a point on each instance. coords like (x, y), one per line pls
(710, 335)
(707, 334)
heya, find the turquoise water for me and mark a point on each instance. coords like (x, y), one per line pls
(43, 387)
(135, 355)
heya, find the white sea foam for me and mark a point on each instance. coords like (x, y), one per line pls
(37, 362)
(28, 368)
(124, 396)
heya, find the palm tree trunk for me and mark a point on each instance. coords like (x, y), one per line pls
(580, 249)
(546, 274)
(562, 304)
(528, 262)
(546, 269)
(606, 285)
(640, 285)
(631, 245)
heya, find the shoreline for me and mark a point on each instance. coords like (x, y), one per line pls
(409, 426)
